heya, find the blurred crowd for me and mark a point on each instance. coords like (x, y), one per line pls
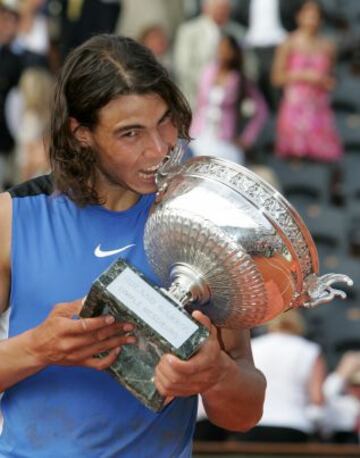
(241, 64)
(305, 401)
(274, 86)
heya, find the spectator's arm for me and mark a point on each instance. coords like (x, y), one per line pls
(337, 381)
(316, 381)
(279, 75)
(256, 123)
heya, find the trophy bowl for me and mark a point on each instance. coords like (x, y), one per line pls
(224, 241)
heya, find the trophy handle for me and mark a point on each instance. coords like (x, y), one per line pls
(319, 291)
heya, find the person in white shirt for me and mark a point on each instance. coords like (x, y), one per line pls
(342, 394)
(295, 371)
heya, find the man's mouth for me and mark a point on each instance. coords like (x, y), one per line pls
(150, 172)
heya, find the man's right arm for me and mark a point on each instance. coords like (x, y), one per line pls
(59, 339)
(15, 363)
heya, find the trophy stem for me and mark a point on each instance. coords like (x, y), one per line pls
(181, 295)
(188, 285)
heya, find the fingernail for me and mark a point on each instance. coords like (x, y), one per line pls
(128, 327)
(117, 350)
(109, 319)
(131, 339)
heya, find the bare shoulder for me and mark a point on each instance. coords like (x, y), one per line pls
(327, 46)
(5, 246)
(236, 342)
(286, 46)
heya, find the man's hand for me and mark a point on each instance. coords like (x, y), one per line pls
(174, 377)
(62, 340)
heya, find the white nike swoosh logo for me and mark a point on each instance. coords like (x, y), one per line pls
(99, 253)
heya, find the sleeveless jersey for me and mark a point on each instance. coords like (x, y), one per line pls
(58, 250)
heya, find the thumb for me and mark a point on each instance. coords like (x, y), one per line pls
(202, 318)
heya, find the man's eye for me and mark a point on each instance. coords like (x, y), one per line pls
(129, 134)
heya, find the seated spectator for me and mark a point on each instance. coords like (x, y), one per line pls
(230, 111)
(342, 394)
(295, 370)
(303, 68)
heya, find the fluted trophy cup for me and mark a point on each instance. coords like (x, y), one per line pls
(221, 240)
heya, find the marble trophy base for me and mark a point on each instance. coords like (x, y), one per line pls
(161, 326)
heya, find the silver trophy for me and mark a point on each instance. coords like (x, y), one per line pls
(226, 242)
(221, 240)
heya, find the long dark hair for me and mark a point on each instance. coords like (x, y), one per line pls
(237, 64)
(100, 70)
(237, 61)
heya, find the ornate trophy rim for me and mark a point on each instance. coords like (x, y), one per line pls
(266, 199)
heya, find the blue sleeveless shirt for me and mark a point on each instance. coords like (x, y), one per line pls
(58, 249)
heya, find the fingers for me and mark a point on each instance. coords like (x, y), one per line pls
(100, 347)
(205, 321)
(175, 377)
(74, 342)
(101, 363)
(172, 385)
(89, 325)
(113, 329)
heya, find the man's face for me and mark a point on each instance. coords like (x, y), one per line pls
(8, 26)
(133, 135)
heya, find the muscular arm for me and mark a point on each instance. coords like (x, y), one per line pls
(236, 401)
(231, 387)
(15, 363)
(59, 339)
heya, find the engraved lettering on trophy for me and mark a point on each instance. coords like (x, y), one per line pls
(153, 308)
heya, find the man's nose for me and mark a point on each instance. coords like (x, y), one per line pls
(157, 146)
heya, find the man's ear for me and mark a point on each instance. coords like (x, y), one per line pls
(80, 132)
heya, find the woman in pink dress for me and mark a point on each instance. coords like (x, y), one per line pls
(303, 68)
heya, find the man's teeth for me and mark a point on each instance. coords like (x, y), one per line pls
(152, 169)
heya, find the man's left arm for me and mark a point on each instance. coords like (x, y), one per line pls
(223, 373)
